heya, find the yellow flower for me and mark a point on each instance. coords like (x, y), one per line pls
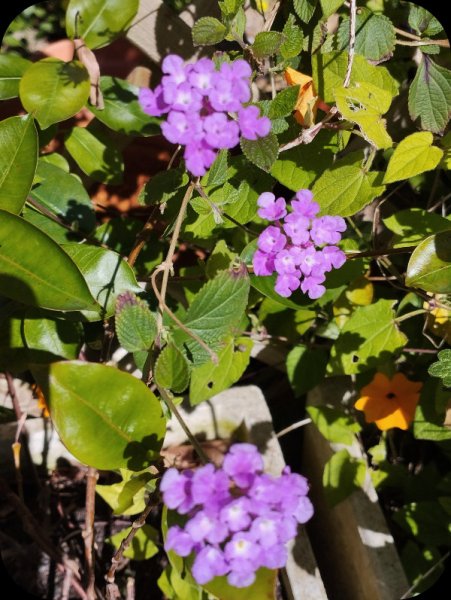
(389, 402)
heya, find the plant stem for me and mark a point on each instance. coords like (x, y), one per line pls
(293, 427)
(88, 533)
(376, 253)
(409, 315)
(352, 21)
(442, 43)
(174, 410)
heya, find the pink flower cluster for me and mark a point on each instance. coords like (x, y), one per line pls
(299, 247)
(198, 99)
(239, 518)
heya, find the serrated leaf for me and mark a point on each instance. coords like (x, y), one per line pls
(143, 545)
(428, 421)
(375, 35)
(442, 368)
(34, 269)
(267, 43)
(12, 67)
(98, 159)
(262, 152)
(369, 337)
(430, 95)
(422, 21)
(412, 225)
(53, 90)
(364, 103)
(106, 274)
(219, 260)
(18, 160)
(306, 367)
(345, 188)
(342, 475)
(294, 38)
(329, 70)
(305, 9)
(284, 103)
(64, 195)
(217, 174)
(334, 425)
(330, 6)
(136, 327)
(122, 111)
(208, 31)
(172, 370)
(429, 267)
(99, 22)
(163, 186)
(210, 379)
(106, 418)
(415, 154)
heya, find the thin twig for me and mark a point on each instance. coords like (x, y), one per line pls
(352, 21)
(141, 240)
(308, 135)
(406, 34)
(442, 43)
(88, 533)
(174, 410)
(376, 253)
(408, 594)
(173, 157)
(414, 313)
(272, 15)
(293, 427)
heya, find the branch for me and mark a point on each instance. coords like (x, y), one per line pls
(88, 533)
(442, 43)
(352, 20)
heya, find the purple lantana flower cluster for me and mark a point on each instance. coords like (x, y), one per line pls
(239, 518)
(198, 99)
(299, 246)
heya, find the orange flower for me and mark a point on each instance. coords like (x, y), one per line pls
(42, 405)
(389, 402)
(307, 102)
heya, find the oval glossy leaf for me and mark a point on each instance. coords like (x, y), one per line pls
(12, 67)
(64, 195)
(35, 271)
(429, 266)
(106, 418)
(94, 156)
(106, 273)
(56, 336)
(98, 22)
(122, 111)
(53, 90)
(18, 158)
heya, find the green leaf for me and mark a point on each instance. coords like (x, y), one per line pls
(334, 425)
(422, 21)
(58, 337)
(172, 370)
(284, 103)
(304, 9)
(12, 67)
(56, 159)
(219, 260)
(101, 161)
(294, 38)
(143, 545)
(430, 95)
(369, 337)
(429, 266)
(267, 43)
(105, 417)
(427, 521)
(262, 152)
(330, 6)
(329, 70)
(306, 367)
(53, 90)
(136, 327)
(345, 188)
(99, 22)
(375, 35)
(163, 186)
(217, 174)
(415, 154)
(364, 103)
(298, 168)
(263, 587)
(217, 308)
(128, 497)
(343, 474)
(34, 270)
(64, 195)
(123, 112)
(209, 379)
(18, 160)
(106, 274)
(412, 225)
(428, 421)
(442, 368)
(208, 31)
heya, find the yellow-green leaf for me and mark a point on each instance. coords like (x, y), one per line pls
(415, 154)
